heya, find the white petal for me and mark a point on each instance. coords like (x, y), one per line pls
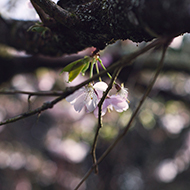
(123, 93)
(78, 107)
(102, 86)
(80, 102)
(92, 103)
(72, 98)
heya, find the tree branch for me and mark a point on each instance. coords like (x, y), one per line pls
(93, 151)
(61, 15)
(98, 23)
(40, 93)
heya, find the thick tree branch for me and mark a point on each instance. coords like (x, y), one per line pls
(85, 23)
(82, 24)
(61, 15)
(45, 18)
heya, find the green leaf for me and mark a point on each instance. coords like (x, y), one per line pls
(74, 73)
(72, 66)
(39, 28)
(76, 67)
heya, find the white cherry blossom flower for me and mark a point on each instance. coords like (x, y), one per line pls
(119, 102)
(114, 101)
(88, 96)
(123, 92)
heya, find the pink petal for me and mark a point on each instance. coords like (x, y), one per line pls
(96, 111)
(120, 107)
(119, 103)
(105, 105)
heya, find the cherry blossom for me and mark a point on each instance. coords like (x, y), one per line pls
(119, 101)
(88, 96)
(115, 101)
(123, 92)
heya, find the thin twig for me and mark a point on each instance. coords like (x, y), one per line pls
(45, 106)
(126, 129)
(124, 62)
(93, 151)
(29, 102)
(40, 93)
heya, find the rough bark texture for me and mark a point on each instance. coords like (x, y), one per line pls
(81, 24)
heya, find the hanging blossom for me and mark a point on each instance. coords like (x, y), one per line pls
(123, 92)
(119, 101)
(88, 96)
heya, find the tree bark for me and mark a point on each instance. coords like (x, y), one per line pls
(80, 24)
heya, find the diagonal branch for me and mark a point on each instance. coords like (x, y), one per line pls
(93, 151)
(45, 106)
(40, 93)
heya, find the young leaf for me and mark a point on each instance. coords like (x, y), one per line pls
(76, 67)
(74, 73)
(39, 28)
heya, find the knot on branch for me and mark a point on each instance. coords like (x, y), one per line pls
(47, 105)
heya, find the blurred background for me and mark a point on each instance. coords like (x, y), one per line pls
(51, 151)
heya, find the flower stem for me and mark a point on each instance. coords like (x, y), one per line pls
(104, 67)
(97, 70)
(91, 68)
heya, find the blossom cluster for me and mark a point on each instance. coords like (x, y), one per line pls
(89, 96)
